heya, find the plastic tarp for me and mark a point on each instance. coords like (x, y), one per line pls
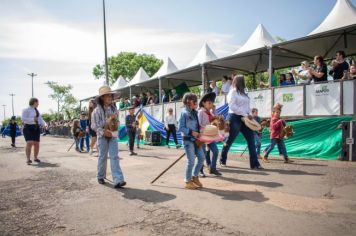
(7, 131)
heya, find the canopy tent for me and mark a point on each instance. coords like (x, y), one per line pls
(260, 38)
(168, 67)
(119, 83)
(342, 14)
(205, 54)
(140, 77)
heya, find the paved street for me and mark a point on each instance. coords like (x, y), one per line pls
(61, 196)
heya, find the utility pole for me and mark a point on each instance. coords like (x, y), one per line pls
(32, 75)
(4, 111)
(105, 47)
(12, 101)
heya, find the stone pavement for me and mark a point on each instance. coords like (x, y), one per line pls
(60, 196)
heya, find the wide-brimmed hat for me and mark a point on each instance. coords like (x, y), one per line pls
(252, 124)
(278, 106)
(103, 90)
(207, 97)
(211, 134)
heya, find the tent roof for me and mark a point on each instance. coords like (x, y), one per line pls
(140, 77)
(343, 14)
(168, 67)
(258, 39)
(119, 83)
(205, 54)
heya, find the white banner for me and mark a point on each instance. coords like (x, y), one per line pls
(122, 117)
(157, 112)
(179, 108)
(220, 101)
(291, 98)
(323, 99)
(349, 97)
(262, 101)
(147, 109)
(166, 106)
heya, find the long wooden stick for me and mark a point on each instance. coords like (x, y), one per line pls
(170, 166)
(71, 146)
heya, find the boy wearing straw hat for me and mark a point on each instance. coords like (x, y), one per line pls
(107, 142)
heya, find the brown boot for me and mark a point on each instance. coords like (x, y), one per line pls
(190, 185)
(197, 182)
(264, 159)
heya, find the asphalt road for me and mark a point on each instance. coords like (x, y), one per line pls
(61, 196)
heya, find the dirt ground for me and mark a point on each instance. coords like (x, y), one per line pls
(61, 196)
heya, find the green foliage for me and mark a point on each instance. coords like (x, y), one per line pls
(196, 90)
(7, 121)
(66, 102)
(280, 39)
(127, 64)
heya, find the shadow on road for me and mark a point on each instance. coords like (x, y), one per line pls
(43, 164)
(268, 184)
(240, 171)
(284, 172)
(254, 196)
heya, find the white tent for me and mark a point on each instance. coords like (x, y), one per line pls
(119, 83)
(168, 67)
(259, 38)
(343, 14)
(140, 77)
(204, 55)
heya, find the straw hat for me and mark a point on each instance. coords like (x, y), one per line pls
(252, 124)
(210, 134)
(103, 90)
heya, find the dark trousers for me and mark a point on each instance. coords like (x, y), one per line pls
(131, 133)
(172, 130)
(236, 126)
(13, 137)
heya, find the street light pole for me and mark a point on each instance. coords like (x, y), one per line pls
(12, 102)
(105, 48)
(4, 111)
(32, 75)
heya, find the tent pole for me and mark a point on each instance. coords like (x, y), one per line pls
(270, 66)
(160, 89)
(130, 95)
(254, 84)
(203, 77)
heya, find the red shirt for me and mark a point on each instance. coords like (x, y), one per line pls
(276, 126)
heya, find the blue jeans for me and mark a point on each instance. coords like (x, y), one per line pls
(86, 142)
(192, 151)
(236, 125)
(109, 146)
(257, 143)
(281, 147)
(214, 149)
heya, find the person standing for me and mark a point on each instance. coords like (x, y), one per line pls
(84, 125)
(32, 121)
(92, 133)
(239, 106)
(131, 125)
(165, 97)
(226, 84)
(175, 96)
(170, 124)
(320, 74)
(107, 144)
(13, 128)
(341, 66)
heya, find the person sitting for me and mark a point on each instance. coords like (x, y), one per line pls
(339, 66)
(303, 76)
(165, 97)
(282, 80)
(175, 96)
(226, 84)
(289, 79)
(320, 73)
(214, 88)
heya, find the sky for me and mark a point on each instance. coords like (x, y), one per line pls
(62, 40)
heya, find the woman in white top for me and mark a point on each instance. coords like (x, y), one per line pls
(239, 106)
(303, 76)
(226, 84)
(32, 121)
(170, 125)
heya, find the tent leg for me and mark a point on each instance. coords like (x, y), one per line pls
(130, 95)
(270, 66)
(160, 89)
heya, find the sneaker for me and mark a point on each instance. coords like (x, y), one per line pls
(133, 154)
(178, 146)
(190, 185)
(120, 185)
(197, 182)
(222, 164)
(13, 145)
(101, 181)
(91, 152)
(264, 159)
(288, 161)
(138, 147)
(37, 160)
(259, 157)
(214, 172)
(257, 168)
(28, 162)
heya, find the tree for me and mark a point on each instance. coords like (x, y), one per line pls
(63, 97)
(127, 64)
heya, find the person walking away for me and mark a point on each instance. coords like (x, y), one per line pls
(92, 133)
(276, 126)
(189, 127)
(170, 124)
(206, 115)
(107, 144)
(239, 106)
(13, 129)
(84, 125)
(32, 121)
(131, 125)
